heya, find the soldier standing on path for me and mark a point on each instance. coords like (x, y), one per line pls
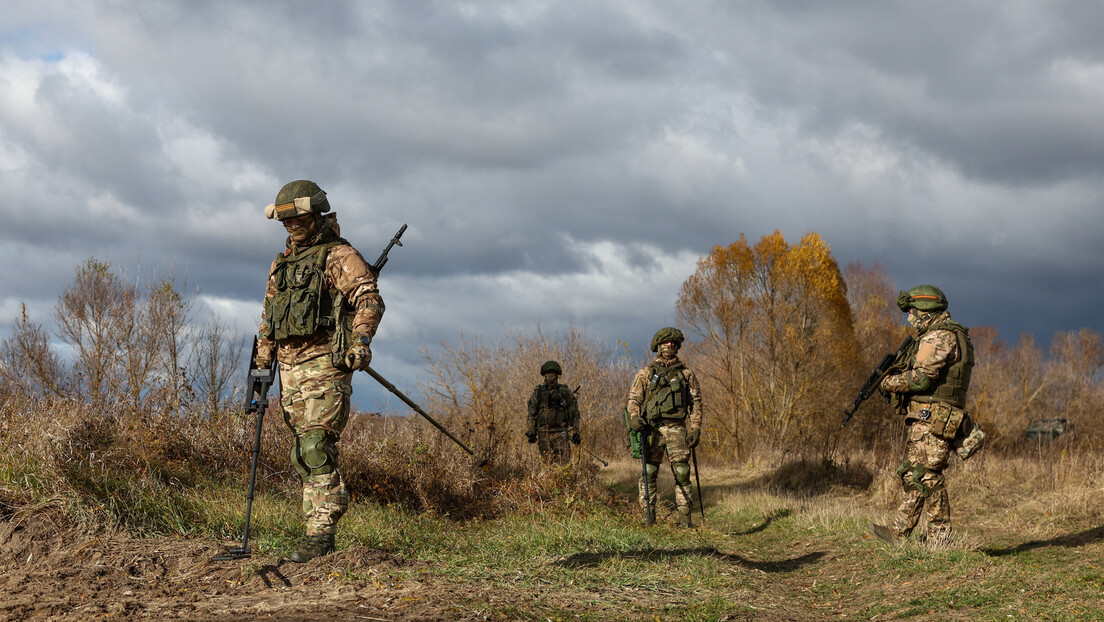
(321, 310)
(928, 385)
(665, 405)
(553, 410)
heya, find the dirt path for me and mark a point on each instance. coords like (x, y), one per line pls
(47, 574)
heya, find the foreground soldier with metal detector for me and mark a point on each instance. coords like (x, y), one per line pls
(321, 309)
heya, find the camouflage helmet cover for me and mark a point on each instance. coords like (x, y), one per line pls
(297, 198)
(665, 334)
(551, 367)
(922, 297)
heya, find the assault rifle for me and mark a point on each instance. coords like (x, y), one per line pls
(382, 260)
(258, 381)
(875, 379)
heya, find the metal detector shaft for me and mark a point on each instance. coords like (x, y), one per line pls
(258, 382)
(649, 512)
(697, 480)
(418, 409)
(604, 463)
(244, 551)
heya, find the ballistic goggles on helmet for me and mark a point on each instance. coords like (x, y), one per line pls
(298, 207)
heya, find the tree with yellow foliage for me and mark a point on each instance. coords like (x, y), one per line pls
(772, 339)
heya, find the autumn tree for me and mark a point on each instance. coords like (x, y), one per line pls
(879, 329)
(772, 338)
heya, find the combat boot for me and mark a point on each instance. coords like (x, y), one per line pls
(684, 518)
(883, 533)
(311, 547)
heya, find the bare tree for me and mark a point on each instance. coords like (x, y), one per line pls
(216, 357)
(92, 316)
(27, 362)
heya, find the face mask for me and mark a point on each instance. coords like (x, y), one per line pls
(304, 232)
(917, 319)
(667, 350)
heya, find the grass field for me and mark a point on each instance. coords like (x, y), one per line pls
(105, 518)
(1023, 550)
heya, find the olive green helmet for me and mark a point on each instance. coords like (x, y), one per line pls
(664, 334)
(297, 198)
(922, 297)
(551, 367)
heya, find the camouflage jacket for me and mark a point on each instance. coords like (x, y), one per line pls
(640, 386)
(553, 408)
(348, 273)
(934, 351)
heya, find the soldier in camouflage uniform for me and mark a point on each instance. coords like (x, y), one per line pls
(553, 412)
(321, 310)
(665, 403)
(928, 385)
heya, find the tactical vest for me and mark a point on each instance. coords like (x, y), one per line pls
(302, 304)
(667, 393)
(954, 381)
(552, 403)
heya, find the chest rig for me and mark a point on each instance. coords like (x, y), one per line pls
(303, 303)
(667, 394)
(552, 403)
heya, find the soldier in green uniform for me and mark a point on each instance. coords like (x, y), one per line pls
(665, 403)
(928, 385)
(321, 310)
(553, 414)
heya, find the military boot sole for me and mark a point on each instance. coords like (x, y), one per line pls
(883, 533)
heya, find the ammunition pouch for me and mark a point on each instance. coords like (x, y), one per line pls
(945, 420)
(301, 305)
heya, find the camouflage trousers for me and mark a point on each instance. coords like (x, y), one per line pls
(668, 436)
(315, 398)
(922, 479)
(554, 445)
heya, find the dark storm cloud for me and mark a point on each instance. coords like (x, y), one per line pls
(561, 163)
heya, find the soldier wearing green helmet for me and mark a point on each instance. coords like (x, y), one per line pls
(553, 414)
(927, 386)
(665, 405)
(321, 309)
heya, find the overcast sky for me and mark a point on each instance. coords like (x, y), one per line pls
(558, 163)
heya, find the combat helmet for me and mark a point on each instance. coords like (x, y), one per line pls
(297, 198)
(551, 367)
(922, 297)
(667, 333)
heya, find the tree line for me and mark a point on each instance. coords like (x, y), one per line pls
(780, 336)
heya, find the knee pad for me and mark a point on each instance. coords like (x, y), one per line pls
(317, 452)
(653, 469)
(682, 473)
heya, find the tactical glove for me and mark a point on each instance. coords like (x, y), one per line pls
(358, 357)
(692, 438)
(262, 363)
(532, 436)
(637, 424)
(575, 438)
